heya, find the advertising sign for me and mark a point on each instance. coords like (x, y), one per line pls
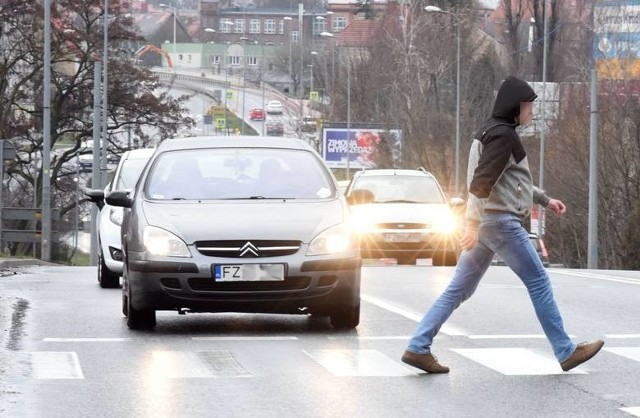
(365, 146)
(616, 48)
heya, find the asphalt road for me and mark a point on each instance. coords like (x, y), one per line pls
(66, 351)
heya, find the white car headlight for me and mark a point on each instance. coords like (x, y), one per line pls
(115, 215)
(163, 243)
(331, 241)
(446, 223)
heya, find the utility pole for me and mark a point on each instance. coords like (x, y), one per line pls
(45, 252)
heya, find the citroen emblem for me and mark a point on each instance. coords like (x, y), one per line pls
(249, 249)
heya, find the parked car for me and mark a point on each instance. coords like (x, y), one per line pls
(250, 224)
(257, 114)
(274, 128)
(309, 124)
(404, 214)
(110, 217)
(274, 107)
(537, 243)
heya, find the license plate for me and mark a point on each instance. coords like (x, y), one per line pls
(248, 272)
(402, 237)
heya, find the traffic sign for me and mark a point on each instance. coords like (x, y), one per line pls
(220, 123)
(314, 96)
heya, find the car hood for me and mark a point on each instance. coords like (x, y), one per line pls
(375, 213)
(229, 220)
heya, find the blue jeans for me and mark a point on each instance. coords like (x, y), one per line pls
(502, 234)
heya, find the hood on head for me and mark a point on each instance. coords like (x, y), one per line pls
(512, 92)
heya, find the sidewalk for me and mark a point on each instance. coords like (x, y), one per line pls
(9, 263)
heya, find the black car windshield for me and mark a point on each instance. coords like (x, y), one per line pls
(238, 173)
(409, 189)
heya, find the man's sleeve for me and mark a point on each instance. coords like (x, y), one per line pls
(495, 157)
(539, 197)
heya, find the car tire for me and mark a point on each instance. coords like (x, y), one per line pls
(345, 317)
(106, 278)
(450, 258)
(143, 319)
(406, 260)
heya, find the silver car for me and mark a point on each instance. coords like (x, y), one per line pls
(238, 224)
(110, 218)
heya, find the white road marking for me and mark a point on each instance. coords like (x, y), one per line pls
(83, 340)
(54, 365)
(514, 361)
(189, 364)
(358, 363)
(632, 353)
(414, 316)
(621, 336)
(373, 338)
(244, 338)
(619, 279)
(634, 410)
(506, 337)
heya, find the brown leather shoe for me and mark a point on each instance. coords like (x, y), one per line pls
(583, 352)
(427, 362)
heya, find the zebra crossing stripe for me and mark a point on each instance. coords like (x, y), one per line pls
(361, 363)
(54, 365)
(514, 361)
(634, 410)
(632, 353)
(190, 364)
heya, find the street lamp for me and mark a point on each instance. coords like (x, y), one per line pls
(434, 9)
(314, 53)
(333, 70)
(174, 10)
(210, 30)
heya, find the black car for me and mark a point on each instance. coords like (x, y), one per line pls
(274, 128)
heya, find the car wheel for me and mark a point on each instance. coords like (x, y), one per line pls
(106, 278)
(438, 258)
(345, 317)
(450, 259)
(139, 319)
(406, 260)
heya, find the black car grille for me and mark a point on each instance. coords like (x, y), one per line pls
(402, 225)
(289, 283)
(248, 248)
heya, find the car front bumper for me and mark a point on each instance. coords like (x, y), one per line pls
(418, 244)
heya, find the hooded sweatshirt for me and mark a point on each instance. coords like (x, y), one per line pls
(498, 175)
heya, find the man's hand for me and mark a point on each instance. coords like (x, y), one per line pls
(469, 239)
(557, 206)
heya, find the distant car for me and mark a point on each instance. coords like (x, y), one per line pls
(404, 214)
(257, 114)
(274, 128)
(274, 107)
(309, 124)
(228, 224)
(110, 218)
(85, 162)
(537, 243)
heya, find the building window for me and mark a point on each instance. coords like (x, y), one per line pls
(234, 60)
(281, 27)
(215, 59)
(339, 23)
(238, 26)
(294, 36)
(252, 61)
(319, 26)
(254, 26)
(270, 26)
(225, 26)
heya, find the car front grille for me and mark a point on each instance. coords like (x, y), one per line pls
(402, 225)
(248, 248)
(289, 283)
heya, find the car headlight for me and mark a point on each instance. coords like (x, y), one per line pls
(362, 224)
(331, 241)
(115, 215)
(163, 243)
(446, 223)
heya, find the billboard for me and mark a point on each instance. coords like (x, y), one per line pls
(366, 146)
(616, 48)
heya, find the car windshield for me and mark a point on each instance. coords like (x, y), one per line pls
(238, 173)
(129, 173)
(410, 189)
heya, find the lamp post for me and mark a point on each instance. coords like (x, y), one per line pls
(244, 78)
(174, 10)
(434, 9)
(333, 69)
(289, 19)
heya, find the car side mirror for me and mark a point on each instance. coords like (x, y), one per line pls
(360, 197)
(96, 196)
(119, 198)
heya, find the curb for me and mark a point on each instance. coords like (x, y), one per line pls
(7, 263)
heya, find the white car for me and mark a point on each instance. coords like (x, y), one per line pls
(110, 217)
(403, 214)
(274, 107)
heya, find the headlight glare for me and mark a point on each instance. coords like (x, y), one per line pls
(334, 240)
(160, 242)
